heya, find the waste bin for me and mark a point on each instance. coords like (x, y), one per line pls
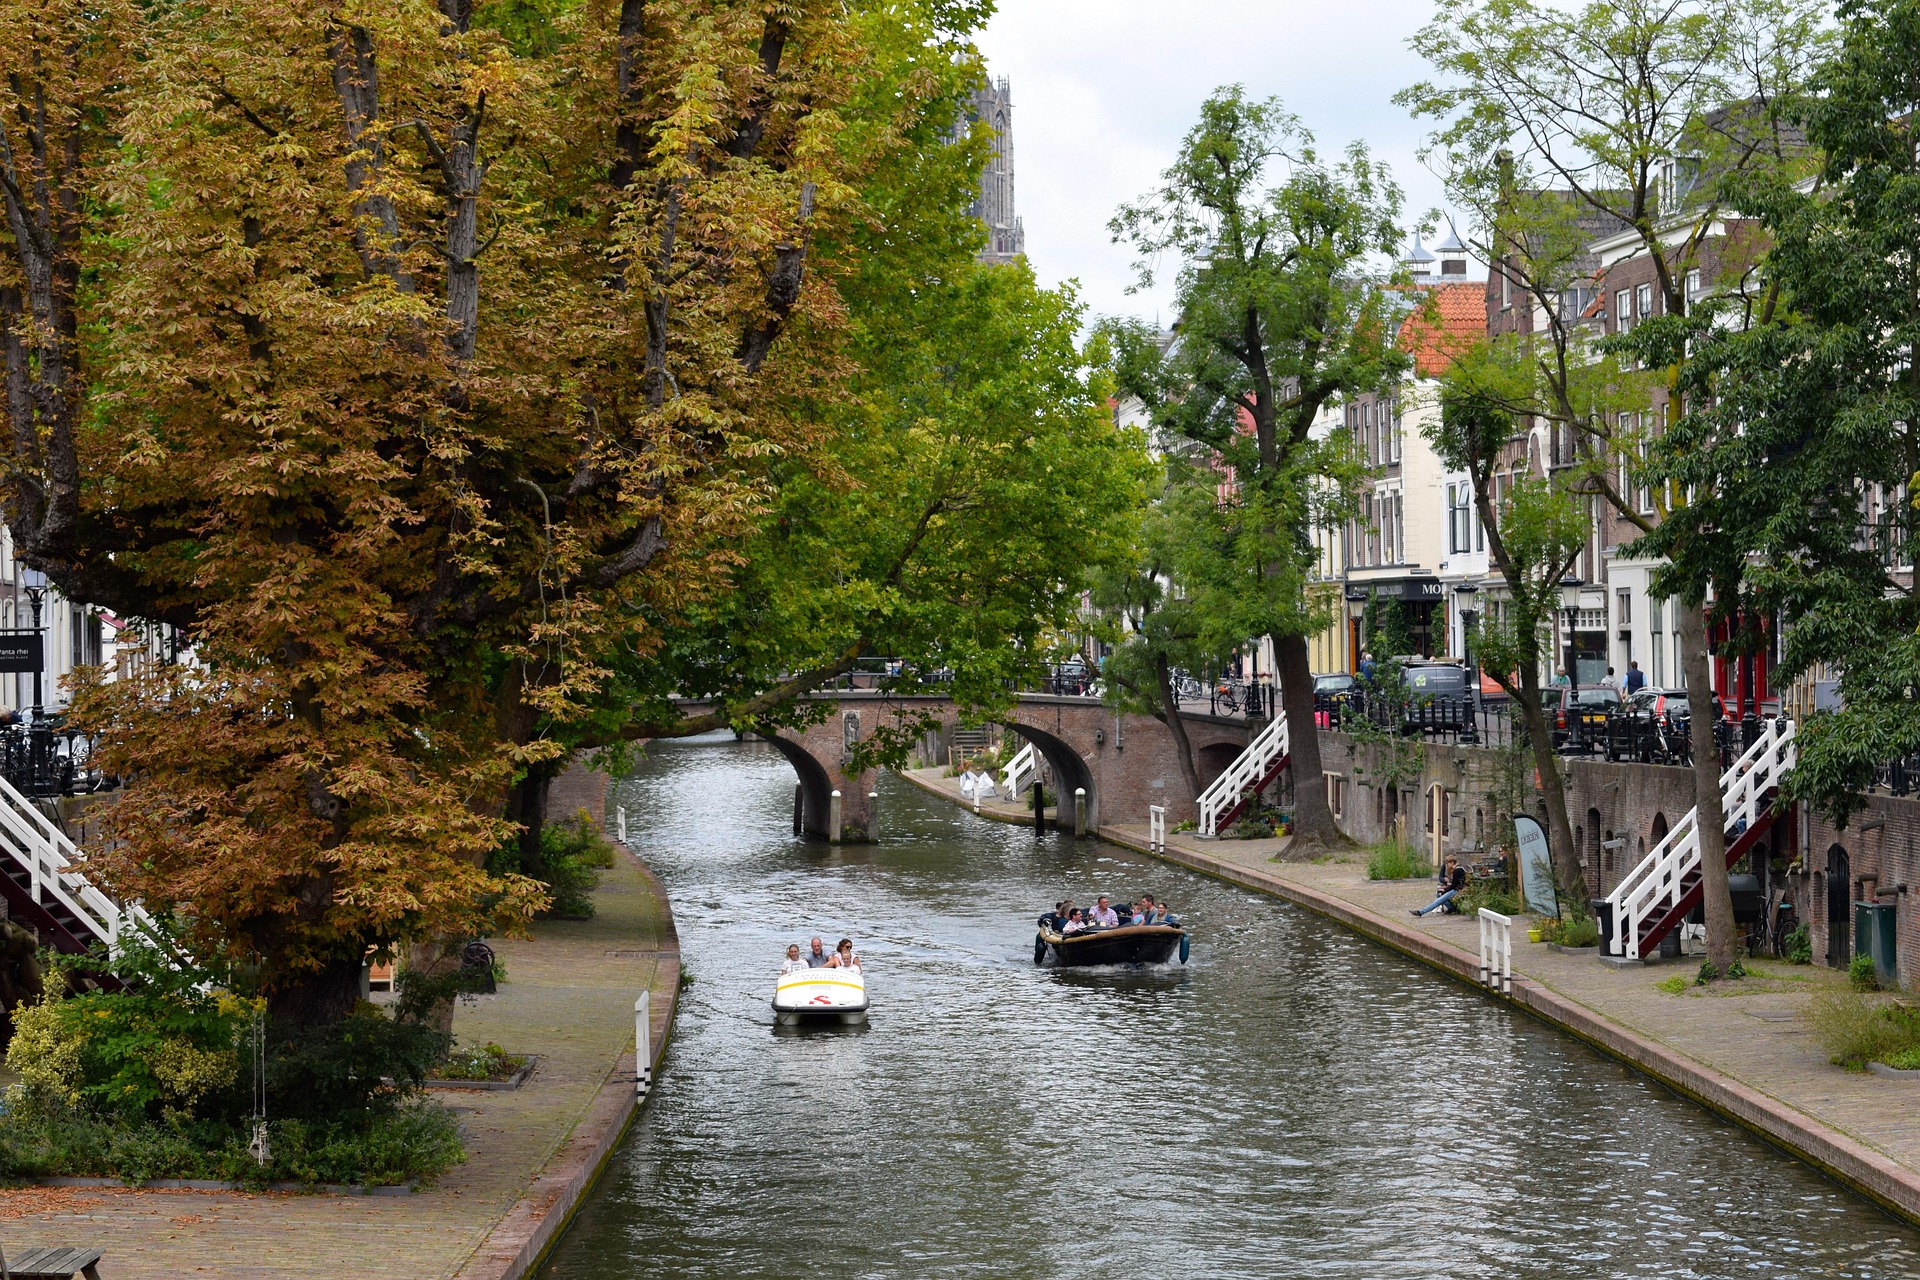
(1603, 916)
(1875, 925)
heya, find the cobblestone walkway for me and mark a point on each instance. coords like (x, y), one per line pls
(568, 997)
(1750, 1035)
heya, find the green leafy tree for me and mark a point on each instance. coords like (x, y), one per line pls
(1800, 444)
(1534, 532)
(1281, 313)
(1198, 586)
(1560, 127)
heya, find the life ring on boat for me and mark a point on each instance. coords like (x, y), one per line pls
(1039, 948)
(1186, 944)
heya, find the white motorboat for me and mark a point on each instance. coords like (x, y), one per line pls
(820, 995)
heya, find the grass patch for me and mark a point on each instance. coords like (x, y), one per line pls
(1674, 986)
(1856, 1028)
(1396, 860)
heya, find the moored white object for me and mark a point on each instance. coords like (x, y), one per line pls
(820, 995)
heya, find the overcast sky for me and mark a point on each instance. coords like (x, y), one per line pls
(1103, 91)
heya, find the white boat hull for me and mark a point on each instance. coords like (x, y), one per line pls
(820, 995)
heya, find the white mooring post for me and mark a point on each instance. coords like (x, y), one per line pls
(1079, 811)
(642, 1045)
(1496, 951)
(1157, 828)
(620, 819)
(873, 815)
(833, 817)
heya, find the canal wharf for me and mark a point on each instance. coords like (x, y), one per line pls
(532, 1152)
(1743, 1050)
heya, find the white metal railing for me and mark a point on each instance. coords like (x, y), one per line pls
(54, 871)
(1496, 951)
(1157, 828)
(1656, 885)
(1248, 770)
(1020, 770)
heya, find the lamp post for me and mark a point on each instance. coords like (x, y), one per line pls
(34, 583)
(1570, 603)
(1468, 616)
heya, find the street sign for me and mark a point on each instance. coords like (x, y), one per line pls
(21, 651)
(1536, 866)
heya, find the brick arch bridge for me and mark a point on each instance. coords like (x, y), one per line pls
(1125, 762)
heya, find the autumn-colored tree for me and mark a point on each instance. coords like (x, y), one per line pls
(426, 362)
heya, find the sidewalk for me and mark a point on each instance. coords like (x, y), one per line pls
(531, 1152)
(1743, 1049)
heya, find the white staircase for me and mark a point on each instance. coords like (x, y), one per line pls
(48, 887)
(1021, 771)
(1251, 770)
(1658, 893)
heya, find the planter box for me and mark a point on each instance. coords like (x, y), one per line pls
(513, 1081)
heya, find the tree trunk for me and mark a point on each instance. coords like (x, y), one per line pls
(1170, 716)
(527, 806)
(1690, 622)
(1313, 824)
(1572, 888)
(322, 998)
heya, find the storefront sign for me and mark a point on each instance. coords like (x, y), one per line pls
(21, 651)
(1416, 589)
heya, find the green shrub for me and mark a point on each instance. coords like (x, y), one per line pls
(1250, 828)
(1395, 860)
(1491, 894)
(1673, 986)
(1800, 945)
(413, 1144)
(1860, 974)
(1571, 931)
(1856, 1028)
(488, 1062)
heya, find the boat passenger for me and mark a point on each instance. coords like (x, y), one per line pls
(1143, 912)
(818, 958)
(1075, 924)
(1167, 917)
(843, 957)
(1103, 915)
(793, 963)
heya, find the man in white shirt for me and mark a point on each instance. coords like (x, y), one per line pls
(1104, 915)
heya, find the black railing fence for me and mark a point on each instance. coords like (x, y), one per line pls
(1466, 720)
(49, 760)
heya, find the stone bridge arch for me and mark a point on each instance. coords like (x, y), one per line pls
(816, 786)
(1070, 772)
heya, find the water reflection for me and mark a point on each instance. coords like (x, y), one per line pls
(1294, 1102)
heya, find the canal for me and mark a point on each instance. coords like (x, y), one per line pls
(1294, 1102)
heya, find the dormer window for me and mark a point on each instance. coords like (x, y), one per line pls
(1677, 178)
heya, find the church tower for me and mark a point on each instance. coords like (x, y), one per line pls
(1006, 238)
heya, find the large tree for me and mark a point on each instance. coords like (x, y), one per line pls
(1803, 393)
(1560, 127)
(432, 365)
(1281, 312)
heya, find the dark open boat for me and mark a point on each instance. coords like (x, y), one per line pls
(1128, 944)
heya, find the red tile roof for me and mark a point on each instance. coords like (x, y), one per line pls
(1438, 334)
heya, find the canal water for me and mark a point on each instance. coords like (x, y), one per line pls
(1294, 1102)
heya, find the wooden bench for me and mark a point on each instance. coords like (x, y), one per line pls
(51, 1264)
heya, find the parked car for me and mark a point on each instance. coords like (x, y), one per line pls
(1580, 713)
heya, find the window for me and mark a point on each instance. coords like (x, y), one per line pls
(1506, 289)
(1479, 529)
(1693, 283)
(1336, 794)
(1623, 608)
(1643, 300)
(1622, 311)
(1393, 431)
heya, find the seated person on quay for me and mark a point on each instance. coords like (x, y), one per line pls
(1453, 879)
